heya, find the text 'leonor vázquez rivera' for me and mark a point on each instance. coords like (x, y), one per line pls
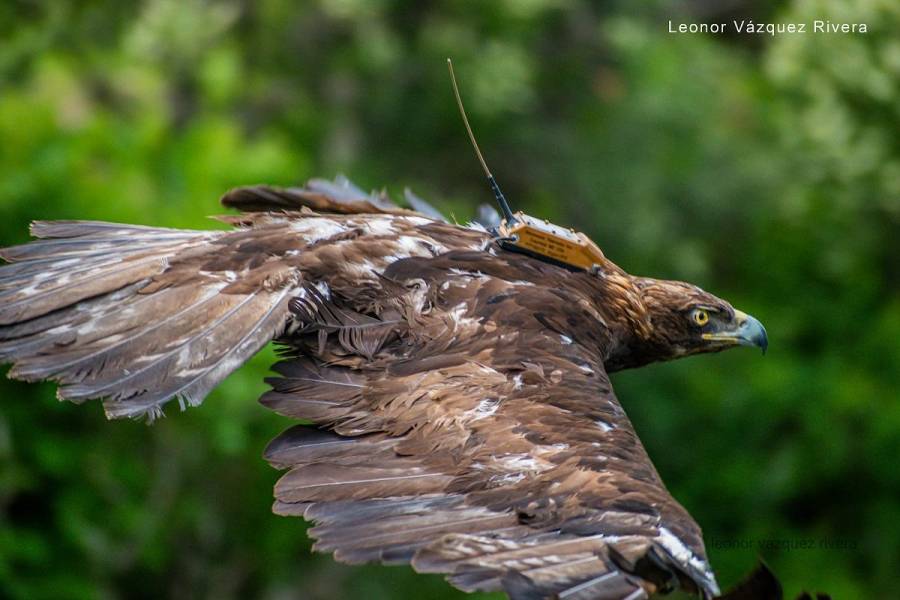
(750, 27)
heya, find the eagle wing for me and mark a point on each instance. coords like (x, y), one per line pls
(482, 439)
(140, 315)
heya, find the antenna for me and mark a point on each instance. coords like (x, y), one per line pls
(501, 200)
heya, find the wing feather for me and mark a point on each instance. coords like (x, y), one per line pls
(139, 315)
(36, 300)
(340, 196)
(266, 317)
(95, 347)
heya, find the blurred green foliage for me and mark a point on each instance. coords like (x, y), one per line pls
(766, 170)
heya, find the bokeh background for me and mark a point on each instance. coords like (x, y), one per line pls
(765, 169)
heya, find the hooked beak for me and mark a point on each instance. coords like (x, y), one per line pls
(747, 331)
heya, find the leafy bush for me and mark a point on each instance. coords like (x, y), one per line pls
(767, 172)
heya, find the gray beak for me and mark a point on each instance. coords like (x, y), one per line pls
(748, 331)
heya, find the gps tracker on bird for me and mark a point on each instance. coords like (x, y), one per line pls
(522, 233)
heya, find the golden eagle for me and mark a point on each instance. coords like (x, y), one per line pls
(455, 401)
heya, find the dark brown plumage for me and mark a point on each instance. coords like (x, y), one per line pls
(462, 415)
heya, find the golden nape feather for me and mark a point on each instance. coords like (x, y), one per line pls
(463, 419)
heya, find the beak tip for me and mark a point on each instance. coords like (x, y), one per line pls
(751, 332)
(758, 336)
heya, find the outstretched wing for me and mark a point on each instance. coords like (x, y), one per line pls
(483, 440)
(141, 315)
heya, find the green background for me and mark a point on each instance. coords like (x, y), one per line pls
(764, 169)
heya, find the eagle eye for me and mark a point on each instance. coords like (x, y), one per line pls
(700, 316)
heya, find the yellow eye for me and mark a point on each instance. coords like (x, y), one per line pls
(700, 316)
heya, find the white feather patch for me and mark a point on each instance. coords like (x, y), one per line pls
(380, 226)
(314, 229)
(603, 425)
(485, 408)
(674, 546)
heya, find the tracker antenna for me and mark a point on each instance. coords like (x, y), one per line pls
(501, 200)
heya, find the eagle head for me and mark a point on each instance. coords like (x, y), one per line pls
(680, 319)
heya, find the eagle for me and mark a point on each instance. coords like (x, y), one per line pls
(452, 398)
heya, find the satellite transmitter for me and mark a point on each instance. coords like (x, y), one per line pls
(522, 233)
